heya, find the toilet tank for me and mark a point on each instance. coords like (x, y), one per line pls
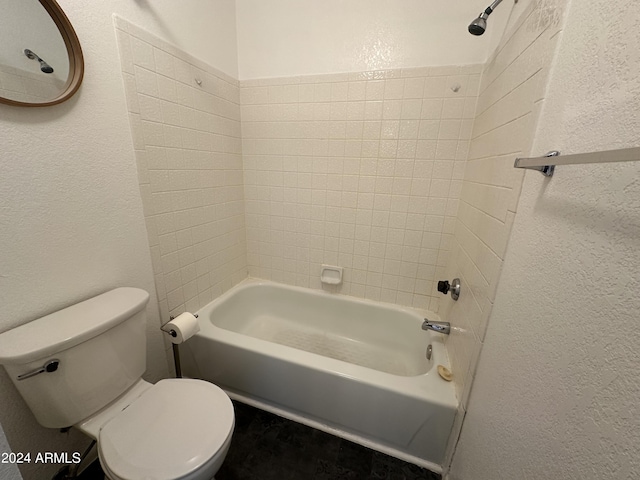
(100, 345)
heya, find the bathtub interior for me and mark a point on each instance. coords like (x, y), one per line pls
(376, 336)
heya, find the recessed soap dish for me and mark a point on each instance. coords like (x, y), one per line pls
(331, 275)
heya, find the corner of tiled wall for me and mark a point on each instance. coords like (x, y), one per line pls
(185, 124)
(511, 94)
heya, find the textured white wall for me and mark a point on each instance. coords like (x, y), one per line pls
(71, 222)
(557, 388)
(8, 471)
(282, 38)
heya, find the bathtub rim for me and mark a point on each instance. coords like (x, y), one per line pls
(251, 281)
(439, 391)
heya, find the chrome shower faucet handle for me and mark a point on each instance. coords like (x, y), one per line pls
(445, 287)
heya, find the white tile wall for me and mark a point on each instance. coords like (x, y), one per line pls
(185, 122)
(360, 170)
(511, 93)
(23, 86)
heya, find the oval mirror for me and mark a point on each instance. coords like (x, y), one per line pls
(41, 60)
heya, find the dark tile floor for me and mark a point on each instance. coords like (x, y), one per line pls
(269, 447)
(92, 472)
(266, 446)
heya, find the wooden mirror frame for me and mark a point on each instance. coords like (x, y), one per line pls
(74, 52)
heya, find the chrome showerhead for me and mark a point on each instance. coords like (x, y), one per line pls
(479, 25)
(44, 66)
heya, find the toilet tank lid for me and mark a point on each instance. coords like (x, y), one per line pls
(71, 326)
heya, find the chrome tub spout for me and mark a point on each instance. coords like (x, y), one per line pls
(440, 327)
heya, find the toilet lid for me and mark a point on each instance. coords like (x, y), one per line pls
(171, 430)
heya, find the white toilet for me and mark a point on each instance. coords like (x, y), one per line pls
(82, 367)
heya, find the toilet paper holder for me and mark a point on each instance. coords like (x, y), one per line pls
(172, 332)
(174, 348)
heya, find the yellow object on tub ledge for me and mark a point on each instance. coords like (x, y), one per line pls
(445, 373)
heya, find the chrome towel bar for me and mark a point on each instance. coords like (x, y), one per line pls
(547, 167)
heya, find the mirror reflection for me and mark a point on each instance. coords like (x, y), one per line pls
(34, 62)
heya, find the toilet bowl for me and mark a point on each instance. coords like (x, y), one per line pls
(82, 367)
(175, 429)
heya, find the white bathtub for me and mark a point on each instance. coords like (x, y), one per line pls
(354, 368)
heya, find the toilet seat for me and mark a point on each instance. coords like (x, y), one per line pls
(172, 431)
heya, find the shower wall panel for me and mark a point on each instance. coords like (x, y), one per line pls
(361, 170)
(185, 123)
(511, 95)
